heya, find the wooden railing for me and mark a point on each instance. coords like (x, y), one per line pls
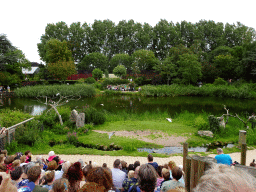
(9, 135)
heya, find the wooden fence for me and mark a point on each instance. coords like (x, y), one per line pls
(9, 135)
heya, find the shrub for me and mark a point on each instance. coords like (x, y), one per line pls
(220, 81)
(201, 124)
(94, 116)
(10, 117)
(90, 80)
(28, 133)
(80, 81)
(98, 86)
(214, 124)
(85, 129)
(97, 73)
(72, 138)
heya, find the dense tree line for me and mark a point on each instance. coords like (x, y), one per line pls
(181, 52)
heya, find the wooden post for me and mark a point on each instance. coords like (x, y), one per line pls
(194, 171)
(243, 154)
(242, 137)
(187, 173)
(8, 139)
(201, 167)
(185, 154)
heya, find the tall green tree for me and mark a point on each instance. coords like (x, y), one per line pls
(144, 59)
(167, 69)
(56, 50)
(97, 73)
(120, 71)
(93, 61)
(120, 59)
(189, 68)
(11, 59)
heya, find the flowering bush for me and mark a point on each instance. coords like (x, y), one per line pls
(72, 138)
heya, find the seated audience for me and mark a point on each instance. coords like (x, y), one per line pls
(124, 167)
(172, 184)
(34, 174)
(136, 164)
(166, 177)
(171, 165)
(147, 178)
(28, 155)
(223, 178)
(118, 176)
(253, 164)
(63, 171)
(51, 156)
(150, 161)
(130, 181)
(74, 176)
(16, 176)
(160, 178)
(6, 183)
(8, 163)
(2, 158)
(49, 178)
(98, 179)
(223, 158)
(60, 185)
(16, 163)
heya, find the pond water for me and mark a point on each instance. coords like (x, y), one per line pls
(137, 104)
(172, 150)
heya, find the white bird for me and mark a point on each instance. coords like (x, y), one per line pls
(111, 134)
(102, 104)
(57, 94)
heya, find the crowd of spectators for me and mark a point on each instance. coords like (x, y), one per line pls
(19, 173)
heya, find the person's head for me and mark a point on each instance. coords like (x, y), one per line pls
(28, 153)
(223, 178)
(101, 176)
(130, 167)
(136, 164)
(74, 173)
(16, 173)
(253, 164)
(150, 158)
(159, 171)
(34, 173)
(166, 174)
(40, 163)
(9, 159)
(23, 159)
(60, 185)
(176, 173)
(171, 165)
(124, 165)
(147, 178)
(219, 151)
(52, 165)
(117, 163)
(51, 153)
(104, 165)
(5, 152)
(86, 169)
(18, 155)
(49, 176)
(29, 166)
(131, 174)
(16, 163)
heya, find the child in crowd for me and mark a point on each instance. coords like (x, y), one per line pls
(28, 156)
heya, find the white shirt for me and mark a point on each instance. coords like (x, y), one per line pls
(118, 177)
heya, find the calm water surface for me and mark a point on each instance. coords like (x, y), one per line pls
(136, 104)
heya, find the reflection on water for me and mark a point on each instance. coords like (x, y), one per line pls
(137, 104)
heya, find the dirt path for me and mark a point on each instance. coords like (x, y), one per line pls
(158, 137)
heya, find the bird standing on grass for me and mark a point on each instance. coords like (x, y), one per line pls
(111, 134)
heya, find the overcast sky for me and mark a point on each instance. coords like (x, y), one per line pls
(24, 21)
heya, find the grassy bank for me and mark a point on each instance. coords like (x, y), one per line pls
(245, 91)
(83, 90)
(54, 136)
